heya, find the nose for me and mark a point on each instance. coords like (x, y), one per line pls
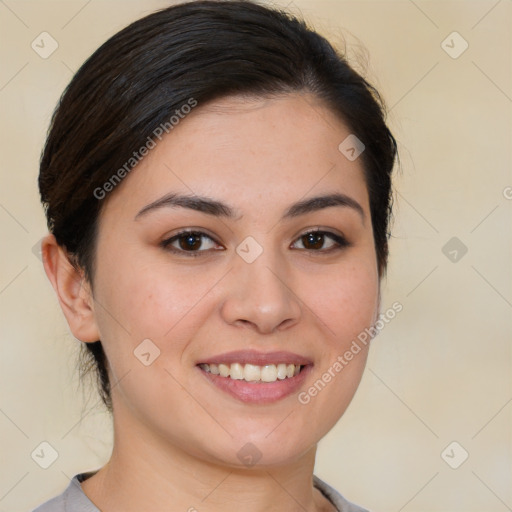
(261, 296)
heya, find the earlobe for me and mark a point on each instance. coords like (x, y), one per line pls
(72, 289)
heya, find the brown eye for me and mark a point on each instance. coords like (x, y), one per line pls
(315, 240)
(192, 243)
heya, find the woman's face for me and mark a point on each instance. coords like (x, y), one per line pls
(253, 286)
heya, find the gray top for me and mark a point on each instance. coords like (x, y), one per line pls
(73, 498)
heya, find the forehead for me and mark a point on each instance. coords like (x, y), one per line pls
(252, 153)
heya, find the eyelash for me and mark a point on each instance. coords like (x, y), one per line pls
(341, 242)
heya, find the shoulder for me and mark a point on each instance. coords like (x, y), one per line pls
(54, 505)
(341, 503)
(72, 499)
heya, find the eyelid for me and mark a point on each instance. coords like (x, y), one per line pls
(320, 229)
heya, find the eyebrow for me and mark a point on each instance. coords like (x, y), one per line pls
(219, 209)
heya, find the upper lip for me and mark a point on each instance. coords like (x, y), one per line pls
(257, 358)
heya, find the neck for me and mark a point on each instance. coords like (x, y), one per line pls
(147, 473)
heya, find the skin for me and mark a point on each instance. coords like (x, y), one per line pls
(176, 436)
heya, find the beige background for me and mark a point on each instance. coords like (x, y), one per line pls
(439, 372)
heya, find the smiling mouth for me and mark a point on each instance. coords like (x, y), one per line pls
(253, 373)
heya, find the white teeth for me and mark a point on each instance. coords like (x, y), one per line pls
(269, 373)
(236, 371)
(252, 372)
(281, 371)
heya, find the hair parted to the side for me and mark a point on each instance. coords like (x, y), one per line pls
(203, 50)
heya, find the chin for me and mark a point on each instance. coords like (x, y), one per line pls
(260, 451)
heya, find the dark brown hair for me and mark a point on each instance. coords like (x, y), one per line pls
(202, 50)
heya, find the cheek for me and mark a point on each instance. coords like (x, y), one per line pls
(148, 301)
(166, 305)
(345, 301)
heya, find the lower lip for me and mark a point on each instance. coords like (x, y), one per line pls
(258, 392)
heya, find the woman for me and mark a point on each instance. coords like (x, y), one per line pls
(217, 184)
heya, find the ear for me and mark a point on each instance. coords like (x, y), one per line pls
(73, 290)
